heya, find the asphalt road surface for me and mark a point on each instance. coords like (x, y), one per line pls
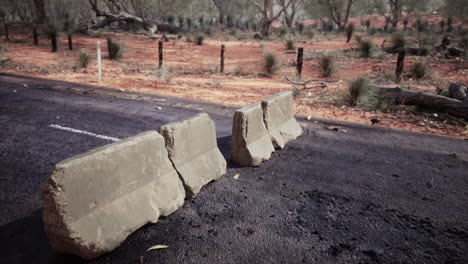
(341, 193)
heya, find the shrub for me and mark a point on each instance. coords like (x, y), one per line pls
(464, 44)
(282, 31)
(84, 59)
(442, 25)
(181, 22)
(170, 19)
(366, 47)
(359, 93)
(397, 41)
(349, 32)
(420, 69)
(327, 65)
(271, 63)
(189, 22)
(199, 39)
(420, 25)
(116, 50)
(356, 89)
(310, 34)
(3, 48)
(449, 24)
(290, 44)
(372, 31)
(164, 74)
(367, 24)
(300, 28)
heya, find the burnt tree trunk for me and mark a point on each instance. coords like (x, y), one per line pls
(300, 55)
(400, 65)
(35, 37)
(53, 40)
(424, 100)
(70, 42)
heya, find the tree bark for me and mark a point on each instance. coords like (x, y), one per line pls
(425, 100)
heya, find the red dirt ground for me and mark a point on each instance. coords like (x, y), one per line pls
(194, 74)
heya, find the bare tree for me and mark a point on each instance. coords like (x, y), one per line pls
(132, 12)
(291, 12)
(268, 16)
(394, 6)
(338, 10)
(221, 5)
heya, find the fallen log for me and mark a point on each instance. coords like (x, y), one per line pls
(409, 51)
(425, 100)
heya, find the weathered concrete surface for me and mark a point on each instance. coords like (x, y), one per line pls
(251, 143)
(93, 201)
(193, 150)
(170, 193)
(278, 113)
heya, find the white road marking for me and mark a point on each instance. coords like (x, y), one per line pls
(84, 132)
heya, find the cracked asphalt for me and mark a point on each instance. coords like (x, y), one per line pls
(341, 193)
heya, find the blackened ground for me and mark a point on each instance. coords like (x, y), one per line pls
(341, 193)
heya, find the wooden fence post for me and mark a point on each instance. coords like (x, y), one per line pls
(400, 65)
(7, 37)
(70, 42)
(300, 55)
(35, 37)
(53, 40)
(160, 51)
(221, 68)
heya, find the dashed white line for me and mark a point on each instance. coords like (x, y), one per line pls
(69, 129)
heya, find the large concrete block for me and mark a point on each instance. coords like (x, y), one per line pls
(193, 150)
(93, 201)
(278, 113)
(251, 143)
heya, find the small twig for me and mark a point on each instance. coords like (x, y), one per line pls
(304, 84)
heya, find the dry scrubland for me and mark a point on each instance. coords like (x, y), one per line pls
(192, 71)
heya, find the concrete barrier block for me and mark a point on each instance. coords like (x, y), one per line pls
(278, 112)
(251, 143)
(193, 150)
(93, 201)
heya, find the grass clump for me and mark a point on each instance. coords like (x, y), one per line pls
(164, 74)
(420, 69)
(116, 50)
(356, 89)
(327, 65)
(199, 39)
(290, 44)
(397, 41)
(366, 47)
(300, 27)
(271, 63)
(359, 93)
(84, 58)
(310, 34)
